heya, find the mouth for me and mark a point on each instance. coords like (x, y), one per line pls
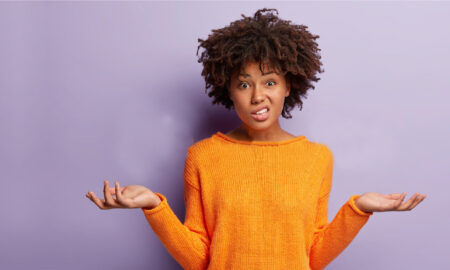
(262, 116)
(260, 108)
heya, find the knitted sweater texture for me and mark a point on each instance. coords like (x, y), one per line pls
(256, 205)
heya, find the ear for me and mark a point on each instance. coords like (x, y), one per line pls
(288, 89)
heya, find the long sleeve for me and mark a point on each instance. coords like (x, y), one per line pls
(330, 239)
(188, 243)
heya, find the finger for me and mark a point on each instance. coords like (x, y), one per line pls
(119, 195)
(395, 195)
(400, 200)
(403, 196)
(108, 197)
(419, 199)
(97, 201)
(423, 198)
(406, 206)
(415, 202)
(113, 190)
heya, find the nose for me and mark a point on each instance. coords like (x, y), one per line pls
(258, 96)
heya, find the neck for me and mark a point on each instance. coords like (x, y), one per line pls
(274, 133)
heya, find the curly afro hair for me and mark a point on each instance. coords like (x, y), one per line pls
(265, 38)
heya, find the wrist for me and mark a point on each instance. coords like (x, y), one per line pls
(358, 205)
(158, 201)
(155, 203)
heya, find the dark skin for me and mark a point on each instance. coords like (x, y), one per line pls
(249, 93)
(239, 134)
(132, 196)
(136, 196)
(254, 89)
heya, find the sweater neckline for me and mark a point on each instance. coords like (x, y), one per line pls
(222, 136)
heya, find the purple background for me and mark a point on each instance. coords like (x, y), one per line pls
(94, 91)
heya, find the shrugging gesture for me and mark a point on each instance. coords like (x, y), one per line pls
(377, 202)
(133, 196)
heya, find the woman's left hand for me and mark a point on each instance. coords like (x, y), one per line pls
(377, 202)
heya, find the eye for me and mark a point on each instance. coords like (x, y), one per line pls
(243, 83)
(271, 82)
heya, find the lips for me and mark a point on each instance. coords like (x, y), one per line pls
(260, 108)
(261, 117)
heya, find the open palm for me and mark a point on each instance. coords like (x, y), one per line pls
(378, 202)
(132, 196)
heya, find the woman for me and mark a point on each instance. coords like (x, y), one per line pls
(257, 196)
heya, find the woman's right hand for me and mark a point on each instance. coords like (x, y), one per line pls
(133, 196)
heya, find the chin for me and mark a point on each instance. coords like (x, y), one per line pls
(259, 126)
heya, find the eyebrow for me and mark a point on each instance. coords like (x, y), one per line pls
(248, 75)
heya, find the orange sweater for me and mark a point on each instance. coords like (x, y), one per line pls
(256, 205)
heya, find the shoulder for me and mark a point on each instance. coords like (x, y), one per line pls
(202, 148)
(323, 152)
(325, 156)
(318, 147)
(201, 145)
(325, 149)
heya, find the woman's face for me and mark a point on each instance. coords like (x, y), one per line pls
(252, 90)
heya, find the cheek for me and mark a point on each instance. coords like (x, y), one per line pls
(277, 102)
(278, 98)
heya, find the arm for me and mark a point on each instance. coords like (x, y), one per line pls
(188, 243)
(330, 239)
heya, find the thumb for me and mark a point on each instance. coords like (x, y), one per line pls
(394, 195)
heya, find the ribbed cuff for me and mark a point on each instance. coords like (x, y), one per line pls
(162, 205)
(352, 204)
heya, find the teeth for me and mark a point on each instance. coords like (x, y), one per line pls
(262, 111)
